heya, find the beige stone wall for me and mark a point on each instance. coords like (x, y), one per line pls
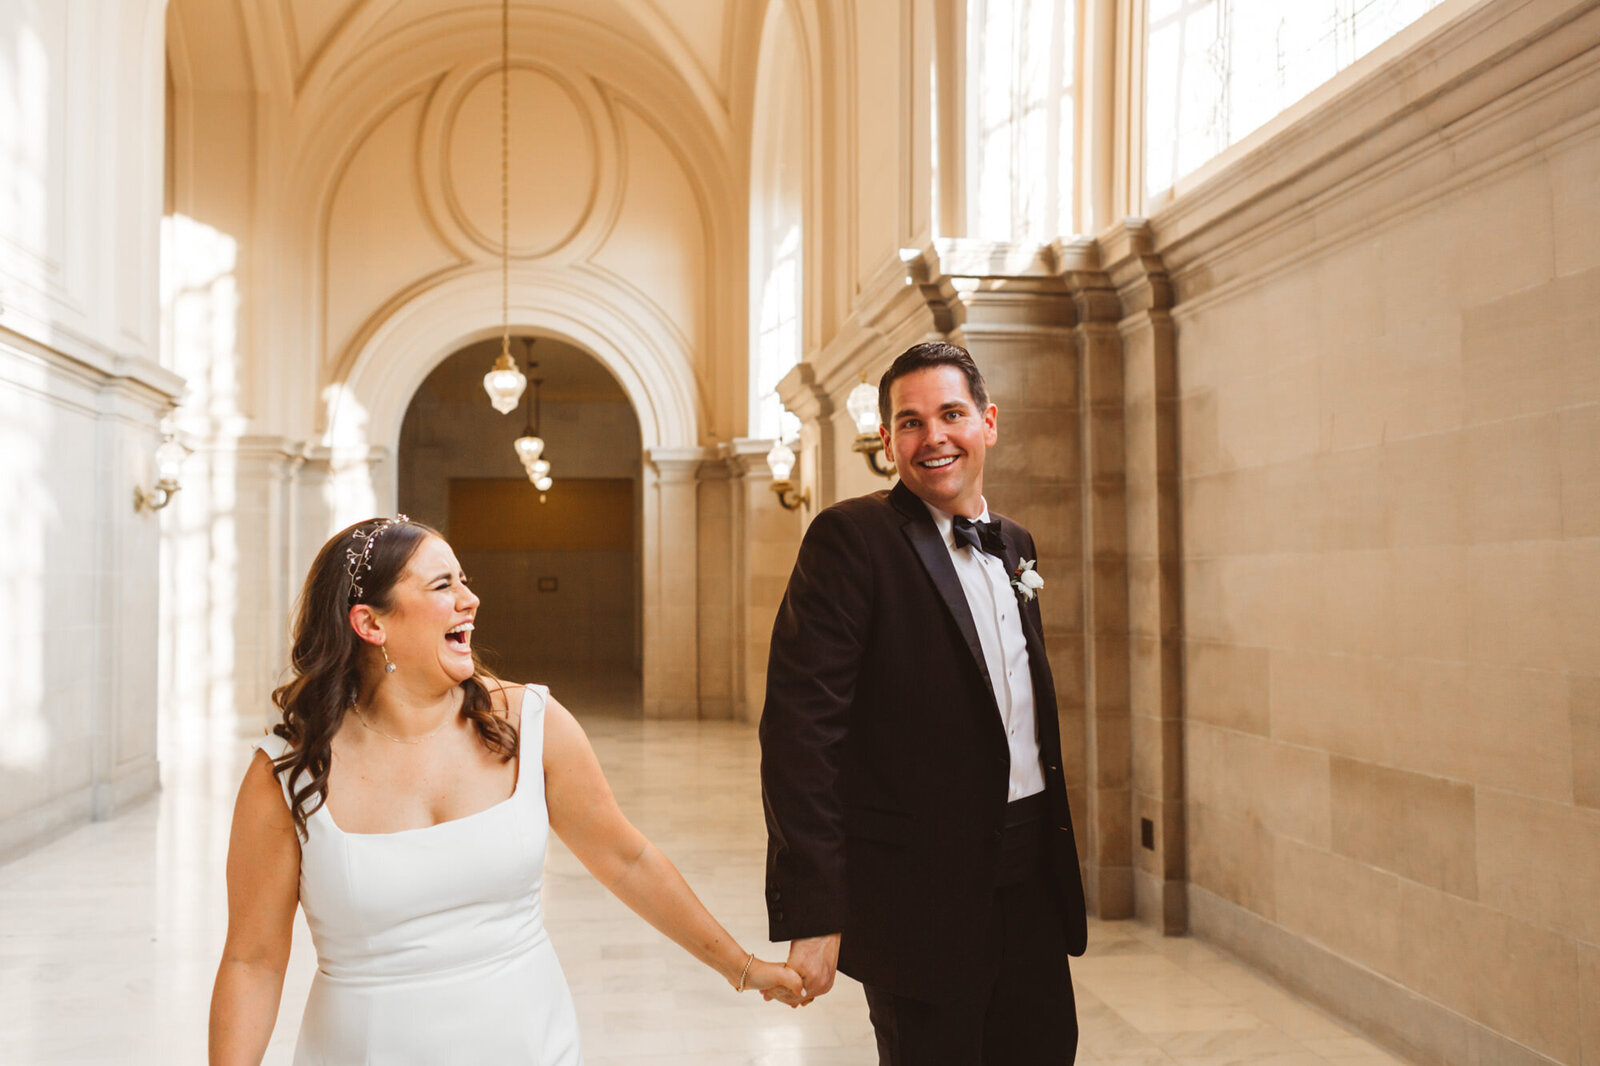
(1390, 435)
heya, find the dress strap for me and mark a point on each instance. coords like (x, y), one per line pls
(531, 726)
(276, 748)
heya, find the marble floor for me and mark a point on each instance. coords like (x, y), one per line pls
(109, 938)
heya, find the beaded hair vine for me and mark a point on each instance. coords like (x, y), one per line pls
(359, 563)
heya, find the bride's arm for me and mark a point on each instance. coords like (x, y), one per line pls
(584, 813)
(263, 891)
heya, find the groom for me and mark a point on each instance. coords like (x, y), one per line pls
(918, 831)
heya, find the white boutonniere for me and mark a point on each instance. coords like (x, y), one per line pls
(1026, 580)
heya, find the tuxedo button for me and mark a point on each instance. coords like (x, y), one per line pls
(777, 916)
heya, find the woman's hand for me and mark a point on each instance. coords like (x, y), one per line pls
(774, 980)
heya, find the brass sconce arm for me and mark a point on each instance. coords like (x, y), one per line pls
(870, 445)
(788, 498)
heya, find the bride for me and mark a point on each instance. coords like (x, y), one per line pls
(405, 801)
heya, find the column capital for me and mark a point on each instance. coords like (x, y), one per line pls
(1136, 270)
(675, 464)
(746, 457)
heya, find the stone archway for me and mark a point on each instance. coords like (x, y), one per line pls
(363, 410)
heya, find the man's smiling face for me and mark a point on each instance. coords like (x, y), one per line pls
(938, 438)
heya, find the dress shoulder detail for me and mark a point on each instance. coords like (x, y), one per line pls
(274, 745)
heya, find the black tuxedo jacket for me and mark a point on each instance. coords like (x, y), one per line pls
(884, 763)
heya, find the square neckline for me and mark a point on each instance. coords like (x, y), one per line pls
(516, 789)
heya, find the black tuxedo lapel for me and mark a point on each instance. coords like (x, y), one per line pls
(935, 556)
(1013, 558)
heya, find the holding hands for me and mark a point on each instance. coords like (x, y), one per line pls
(815, 960)
(773, 980)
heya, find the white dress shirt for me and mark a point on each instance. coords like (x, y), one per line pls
(998, 618)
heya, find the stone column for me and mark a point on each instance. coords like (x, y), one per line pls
(119, 651)
(718, 546)
(1155, 668)
(1107, 730)
(1023, 332)
(266, 470)
(671, 613)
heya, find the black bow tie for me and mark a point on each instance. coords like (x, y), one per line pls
(984, 536)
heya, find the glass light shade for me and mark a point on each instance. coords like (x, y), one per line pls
(169, 460)
(504, 386)
(543, 484)
(529, 448)
(538, 468)
(781, 461)
(862, 403)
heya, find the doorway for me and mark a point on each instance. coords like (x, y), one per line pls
(559, 572)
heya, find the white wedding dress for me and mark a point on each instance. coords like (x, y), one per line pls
(431, 946)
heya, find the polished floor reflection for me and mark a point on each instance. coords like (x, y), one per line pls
(109, 939)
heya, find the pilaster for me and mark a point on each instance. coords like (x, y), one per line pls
(671, 587)
(766, 538)
(1155, 675)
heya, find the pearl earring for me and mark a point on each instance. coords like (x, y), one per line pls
(388, 667)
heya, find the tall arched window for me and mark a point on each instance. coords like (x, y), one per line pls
(1022, 72)
(1217, 70)
(777, 185)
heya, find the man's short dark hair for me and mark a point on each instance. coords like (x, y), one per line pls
(933, 353)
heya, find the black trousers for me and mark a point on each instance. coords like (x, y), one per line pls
(1019, 1010)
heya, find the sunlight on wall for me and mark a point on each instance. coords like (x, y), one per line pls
(201, 586)
(776, 223)
(24, 147)
(31, 512)
(1022, 69)
(1221, 69)
(27, 496)
(350, 493)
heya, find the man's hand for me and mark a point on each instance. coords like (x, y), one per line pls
(816, 960)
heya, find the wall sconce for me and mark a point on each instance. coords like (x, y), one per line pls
(169, 462)
(781, 461)
(862, 403)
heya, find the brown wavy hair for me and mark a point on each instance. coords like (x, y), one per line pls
(325, 658)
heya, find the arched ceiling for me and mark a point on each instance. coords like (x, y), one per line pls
(286, 47)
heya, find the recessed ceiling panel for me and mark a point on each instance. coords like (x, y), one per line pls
(553, 161)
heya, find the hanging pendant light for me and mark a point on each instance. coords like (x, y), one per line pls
(504, 382)
(530, 446)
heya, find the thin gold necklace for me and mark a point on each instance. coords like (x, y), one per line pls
(400, 740)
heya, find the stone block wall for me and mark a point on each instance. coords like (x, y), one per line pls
(1388, 401)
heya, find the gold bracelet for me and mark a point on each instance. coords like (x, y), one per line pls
(743, 974)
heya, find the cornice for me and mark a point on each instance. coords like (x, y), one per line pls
(95, 366)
